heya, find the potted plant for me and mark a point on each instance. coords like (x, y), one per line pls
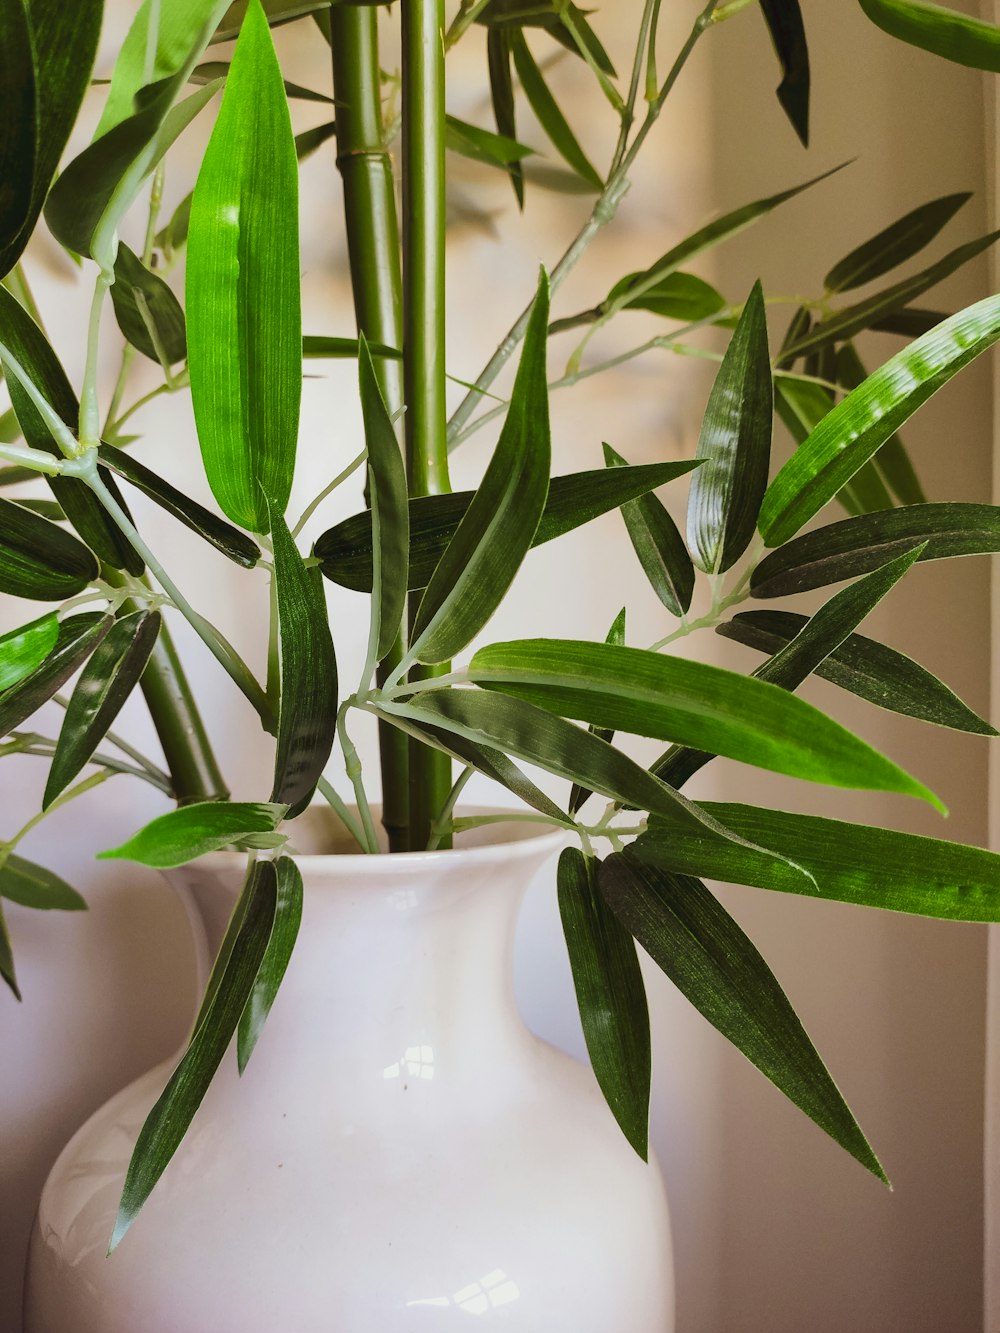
(311, 1200)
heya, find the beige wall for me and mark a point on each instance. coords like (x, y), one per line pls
(776, 1231)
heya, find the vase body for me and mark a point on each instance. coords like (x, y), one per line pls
(400, 1153)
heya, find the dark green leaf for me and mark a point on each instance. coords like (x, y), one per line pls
(713, 964)
(30, 348)
(308, 713)
(243, 304)
(46, 508)
(7, 957)
(616, 635)
(909, 323)
(78, 637)
(892, 459)
(658, 544)
(857, 545)
(278, 12)
(943, 32)
(680, 296)
(856, 428)
(168, 1121)
(24, 649)
(670, 698)
(148, 313)
(502, 95)
(18, 129)
(893, 246)
(173, 236)
(194, 830)
(316, 345)
(222, 535)
(866, 314)
(308, 141)
(389, 509)
(40, 560)
(735, 446)
(849, 862)
(32, 885)
(610, 994)
(478, 565)
(211, 70)
(551, 119)
(784, 23)
(284, 930)
(872, 671)
(802, 404)
(494, 150)
(345, 551)
(104, 685)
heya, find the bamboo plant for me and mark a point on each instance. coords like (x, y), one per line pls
(436, 563)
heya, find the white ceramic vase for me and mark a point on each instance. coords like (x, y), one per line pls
(400, 1154)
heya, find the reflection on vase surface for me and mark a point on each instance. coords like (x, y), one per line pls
(400, 1154)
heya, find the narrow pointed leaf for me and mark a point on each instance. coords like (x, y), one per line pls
(928, 876)
(499, 526)
(24, 649)
(7, 972)
(243, 311)
(616, 635)
(319, 346)
(308, 712)
(669, 698)
(866, 314)
(18, 128)
(546, 109)
(735, 444)
(284, 930)
(141, 298)
(194, 830)
(801, 404)
(680, 296)
(105, 683)
(713, 964)
(784, 23)
(78, 637)
(30, 348)
(943, 32)
(893, 246)
(389, 508)
(222, 535)
(892, 459)
(479, 145)
(857, 545)
(610, 995)
(310, 140)
(32, 885)
(278, 12)
(658, 544)
(210, 70)
(502, 95)
(857, 427)
(40, 560)
(345, 551)
(168, 1121)
(871, 670)
(910, 322)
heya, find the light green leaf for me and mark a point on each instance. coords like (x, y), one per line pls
(389, 509)
(284, 931)
(78, 637)
(32, 885)
(893, 246)
(25, 648)
(943, 32)
(616, 634)
(892, 460)
(243, 311)
(194, 830)
(852, 433)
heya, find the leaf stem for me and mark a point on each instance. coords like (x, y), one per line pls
(444, 822)
(463, 20)
(90, 421)
(355, 773)
(340, 809)
(338, 480)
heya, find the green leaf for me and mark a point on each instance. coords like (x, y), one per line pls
(44, 83)
(222, 535)
(173, 236)
(7, 958)
(658, 545)
(885, 677)
(802, 404)
(711, 961)
(852, 433)
(345, 551)
(243, 310)
(307, 715)
(105, 683)
(680, 296)
(610, 994)
(929, 877)
(78, 637)
(308, 141)
(546, 109)
(857, 545)
(211, 70)
(194, 830)
(908, 323)
(735, 444)
(40, 560)
(893, 246)
(316, 345)
(32, 885)
(669, 698)
(494, 150)
(498, 57)
(10, 433)
(389, 510)
(145, 306)
(168, 1121)
(24, 649)
(499, 526)
(277, 11)
(866, 314)
(892, 459)
(943, 32)
(616, 635)
(25, 341)
(284, 930)
(784, 23)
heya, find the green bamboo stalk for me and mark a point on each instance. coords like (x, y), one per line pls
(373, 250)
(426, 419)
